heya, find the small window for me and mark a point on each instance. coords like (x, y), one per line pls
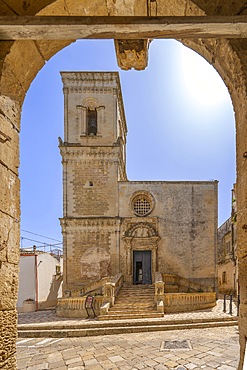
(88, 184)
(223, 277)
(58, 270)
(142, 203)
(92, 122)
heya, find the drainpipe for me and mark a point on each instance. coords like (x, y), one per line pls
(36, 279)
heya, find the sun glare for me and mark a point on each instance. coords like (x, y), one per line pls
(201, 80)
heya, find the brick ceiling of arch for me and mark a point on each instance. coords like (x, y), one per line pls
(22, 59)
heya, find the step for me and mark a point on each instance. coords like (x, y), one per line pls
(117, 327)
(133, 312)
(93, 323)
(131, 289)
(130, 315)
(134, 296)
(137, 291)
(133, 300)
(127, 301)
(131, 294)
(137, 308)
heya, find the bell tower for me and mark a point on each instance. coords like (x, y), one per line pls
(93, 158)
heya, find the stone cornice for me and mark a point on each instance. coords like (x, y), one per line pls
(88, 89)
(81, 153)
(97, 80)
(106, 223)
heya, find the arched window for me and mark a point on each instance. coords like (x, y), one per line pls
(91, 121)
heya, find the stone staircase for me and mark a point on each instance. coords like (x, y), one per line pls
(87, 328)
(133, 302)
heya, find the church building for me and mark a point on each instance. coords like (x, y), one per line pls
(111, 225)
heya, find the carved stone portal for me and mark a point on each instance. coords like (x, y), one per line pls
(132, 54)
(140, 236)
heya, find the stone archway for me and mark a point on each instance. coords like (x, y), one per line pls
(21, 61)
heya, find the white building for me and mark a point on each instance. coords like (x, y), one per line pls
(40, 280)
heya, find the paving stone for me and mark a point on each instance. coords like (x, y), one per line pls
(150, 363)
(116, 358)
(72, 360)
(42, 366)
(171, 364)
(90, 362)
(140, 366)
(213, 353)
(160, 359)
(57, 365)
(190, 366)
(213, 364)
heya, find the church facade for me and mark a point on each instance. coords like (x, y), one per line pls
(111, 225)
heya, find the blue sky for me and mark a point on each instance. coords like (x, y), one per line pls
(180, 127)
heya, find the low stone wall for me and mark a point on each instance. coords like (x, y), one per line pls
(75, 307)
(184, 302)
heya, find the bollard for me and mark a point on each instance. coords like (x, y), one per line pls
(224, 303)
(230, 306)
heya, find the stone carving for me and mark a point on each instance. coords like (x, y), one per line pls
(141, 230)
(132, 54)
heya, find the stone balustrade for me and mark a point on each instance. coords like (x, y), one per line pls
(159, 287)
(182, 302)
(74, 305)
(110, 289)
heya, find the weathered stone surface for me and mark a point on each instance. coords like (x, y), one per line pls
(5, 48)
(8, 285)
(8, 336)
(9, 239)
(9, 85)
(18, 63)
(50, 48)
(132, 54)
(9, 139)
(75, 8)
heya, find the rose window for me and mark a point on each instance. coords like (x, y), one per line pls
(142, 204)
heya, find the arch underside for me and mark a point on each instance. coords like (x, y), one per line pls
(21, 60)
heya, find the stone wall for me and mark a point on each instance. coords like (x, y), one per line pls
(227, 263)
(90, 247)
(185, 216)
(9, 228)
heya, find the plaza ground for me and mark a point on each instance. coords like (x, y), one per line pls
(208, 348)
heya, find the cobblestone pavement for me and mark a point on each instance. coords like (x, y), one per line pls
(214, 348)
(50, 315)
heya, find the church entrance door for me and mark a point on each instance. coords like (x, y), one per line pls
(142, 273)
